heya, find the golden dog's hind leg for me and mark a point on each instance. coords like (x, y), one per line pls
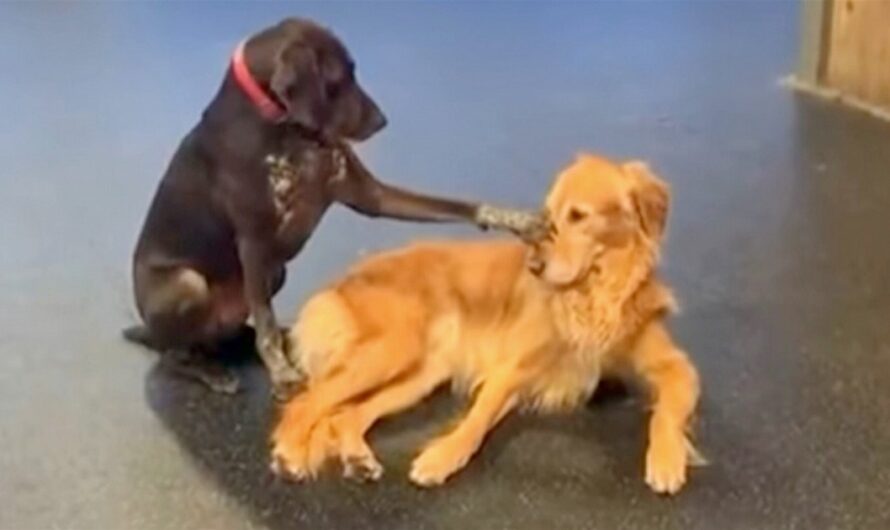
(674, 383)
(353, 421)
(448, 454)
(372, 363)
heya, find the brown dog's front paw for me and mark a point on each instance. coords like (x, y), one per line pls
(223, 383)
(438, 462)
(666, 463)
(285, 378)
(527, 225)
(535, 227)
(285, 383)
(203, 368)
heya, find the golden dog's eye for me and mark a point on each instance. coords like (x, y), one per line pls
(576, 215)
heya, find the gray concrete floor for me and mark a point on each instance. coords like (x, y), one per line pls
(778, 248)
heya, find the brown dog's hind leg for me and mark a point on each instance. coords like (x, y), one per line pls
(182, 323)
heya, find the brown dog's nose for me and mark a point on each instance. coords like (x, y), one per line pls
(371, 118)
(377, 121)
(372, 121)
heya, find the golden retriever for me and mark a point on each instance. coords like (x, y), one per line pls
(516, 327)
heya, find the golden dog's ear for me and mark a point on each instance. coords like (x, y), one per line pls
(651, 198)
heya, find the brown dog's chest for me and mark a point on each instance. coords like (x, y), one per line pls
(298, 184)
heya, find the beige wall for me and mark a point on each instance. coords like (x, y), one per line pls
(857, 60)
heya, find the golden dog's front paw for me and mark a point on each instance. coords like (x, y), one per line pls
(438, 462)
(666, 463)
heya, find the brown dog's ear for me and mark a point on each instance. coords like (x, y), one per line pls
(651, 198)
(297, 82)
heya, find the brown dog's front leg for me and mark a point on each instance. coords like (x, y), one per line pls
(269, 340)
(356, 187)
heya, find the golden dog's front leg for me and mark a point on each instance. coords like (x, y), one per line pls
(450, 453)
(674, 383)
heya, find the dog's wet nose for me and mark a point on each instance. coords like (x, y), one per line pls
(377, 121)
(370, 124)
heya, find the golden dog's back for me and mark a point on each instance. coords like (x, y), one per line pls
(429, 287)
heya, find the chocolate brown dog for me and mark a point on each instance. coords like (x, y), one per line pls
(223, 223)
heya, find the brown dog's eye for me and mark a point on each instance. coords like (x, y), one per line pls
(576, 215)
(332, 90)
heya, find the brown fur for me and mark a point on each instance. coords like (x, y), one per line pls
(514, 327)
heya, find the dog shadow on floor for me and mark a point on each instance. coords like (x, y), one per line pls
(227, 436)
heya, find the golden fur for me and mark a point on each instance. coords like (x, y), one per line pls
(515, 327)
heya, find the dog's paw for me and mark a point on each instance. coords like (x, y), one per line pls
(199, 367)
(356, 457)
(285, 381)
(284, 389)
(527, 225)
(223, 383)
(666, 463)
(291, 461)
(437, 462)
(534, 227)
(362, 467)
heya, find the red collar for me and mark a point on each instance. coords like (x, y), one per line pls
(264, 104)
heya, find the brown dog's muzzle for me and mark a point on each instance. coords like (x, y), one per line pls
(368, 118)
